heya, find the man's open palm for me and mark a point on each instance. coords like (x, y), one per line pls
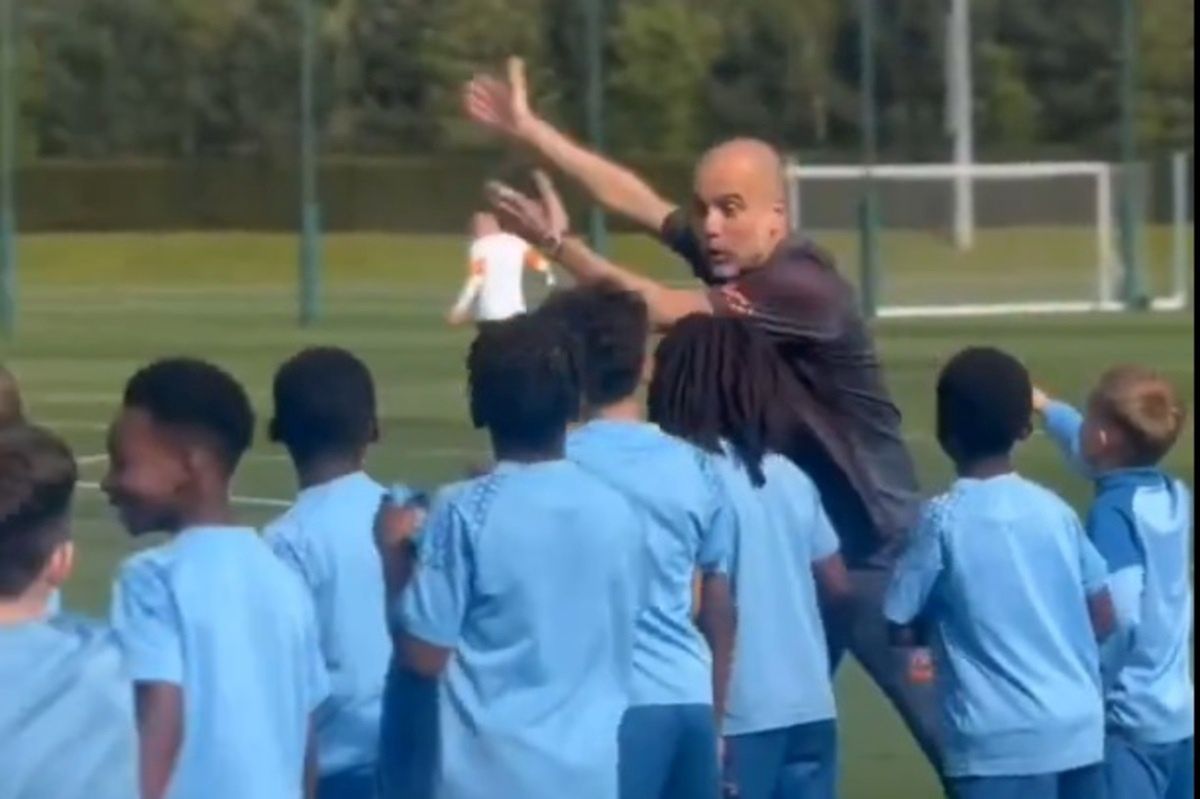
(498, 105)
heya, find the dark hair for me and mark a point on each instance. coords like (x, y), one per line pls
(197, 397)
(984, 404)
(37, 479)
(719, 379)
(324, 404)
(524, 381)
(611, 326)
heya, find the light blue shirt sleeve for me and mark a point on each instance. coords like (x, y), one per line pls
(1114, 537)
(147, 625)
(317, 682)
(1093, 566)
(434, 602)
(918, 570)
(1064, 425)
(290, 546)
(825, 543)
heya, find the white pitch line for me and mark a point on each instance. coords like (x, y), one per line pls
(84, 460)
(261, 502)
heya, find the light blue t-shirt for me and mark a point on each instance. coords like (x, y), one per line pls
(689, 529)
(781, 658)
(216, 613)
(327, 538)
(67, 726)
(1002, 571)
(1141, 522)
(531, 575)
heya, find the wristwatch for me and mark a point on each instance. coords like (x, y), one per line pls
(552, 245)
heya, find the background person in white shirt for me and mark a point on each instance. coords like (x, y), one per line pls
(498, 260)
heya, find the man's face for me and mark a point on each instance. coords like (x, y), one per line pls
(147, 473)
(736, 214)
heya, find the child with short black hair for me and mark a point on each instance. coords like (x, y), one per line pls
(65, 691)
(530, 576)
(325, 416)
(683, 648)
(219, 635)
(1015, 597)
(1141, 522)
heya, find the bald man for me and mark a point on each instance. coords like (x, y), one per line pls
(734, 234)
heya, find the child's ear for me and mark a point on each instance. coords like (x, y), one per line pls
(1026, 432)
(61, 564)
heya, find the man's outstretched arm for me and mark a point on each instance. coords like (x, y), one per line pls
(544, 223)
(503, 107)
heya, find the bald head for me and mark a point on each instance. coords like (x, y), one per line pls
(739, 208)
(754, 162)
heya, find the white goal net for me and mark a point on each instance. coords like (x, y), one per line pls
(988, 238)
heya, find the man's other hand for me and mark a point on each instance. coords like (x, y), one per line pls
(500, 106)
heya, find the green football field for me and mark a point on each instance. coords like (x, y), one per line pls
(95, 307)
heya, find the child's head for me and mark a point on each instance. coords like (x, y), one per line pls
(719, 379)
(984, 405)
(524, 384)
(1134, 417)
(324, 406)
(611, 326)
(37, 479)
(11, 409)
(182, 429)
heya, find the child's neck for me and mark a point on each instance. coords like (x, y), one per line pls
(212, 511)
(626, 410)
(986, 468)
(30, 606)
(521, 453)
(324, 468)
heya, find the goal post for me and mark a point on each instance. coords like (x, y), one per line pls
(1045, 235)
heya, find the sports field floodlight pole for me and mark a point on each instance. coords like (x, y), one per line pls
(8, 158)
(1134, 290)
(868, 207)
(310, 204)
(594, 36)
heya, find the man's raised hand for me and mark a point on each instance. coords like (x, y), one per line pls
(500, 106)
(542, 222)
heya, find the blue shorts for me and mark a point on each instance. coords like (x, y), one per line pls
(798, 762)
(360, 783)
(1083, 783)
(1152, 771)
(669, 752)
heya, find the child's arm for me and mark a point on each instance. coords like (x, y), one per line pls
(1064, 425)
(147, 625)
(916, 576)
(461, 312)
(160, 734)
(433, 601)
(1112, 546)
(718, 623)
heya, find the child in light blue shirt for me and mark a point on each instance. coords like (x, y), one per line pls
(1015, 597)
(1141, 522)
(524, 590)
(219, 635)
(717, 383)
(66, 705)
(680, 665)
(325, 416)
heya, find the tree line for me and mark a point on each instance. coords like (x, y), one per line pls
(206, 78)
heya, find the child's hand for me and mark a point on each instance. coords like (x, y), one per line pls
(395, 525)
(1041, 400)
